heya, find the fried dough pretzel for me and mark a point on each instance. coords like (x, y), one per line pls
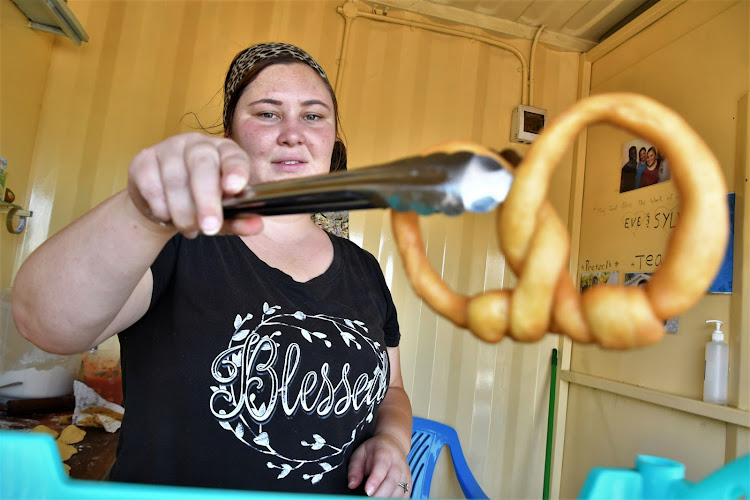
(545, 298)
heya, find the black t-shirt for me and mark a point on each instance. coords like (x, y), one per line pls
(240, 377)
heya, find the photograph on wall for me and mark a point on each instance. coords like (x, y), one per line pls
(723, 281)
(606, 278)
(642, 165)
(640, 279)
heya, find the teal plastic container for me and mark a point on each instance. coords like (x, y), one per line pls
(662, 478)
(30, 468)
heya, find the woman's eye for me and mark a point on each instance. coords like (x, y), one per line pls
(266, 114)
(311, 117)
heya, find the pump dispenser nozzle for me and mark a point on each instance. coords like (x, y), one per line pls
(717, 335)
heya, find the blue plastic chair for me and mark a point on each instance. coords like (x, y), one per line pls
(427, 440)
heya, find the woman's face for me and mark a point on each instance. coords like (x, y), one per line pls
(286, 123)
(642, 155)
(651, 158)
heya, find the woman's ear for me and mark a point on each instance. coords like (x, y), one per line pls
(338, 157)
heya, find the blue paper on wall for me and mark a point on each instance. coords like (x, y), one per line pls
(723, 281)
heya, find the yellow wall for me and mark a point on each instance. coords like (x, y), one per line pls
(78, 114)
(694, 60)
(401, 89)
(24, 61)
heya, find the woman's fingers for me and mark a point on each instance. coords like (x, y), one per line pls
(235, 174)
(203, 163)
(384, 466)
(144, 185)
(244, 226)
(182, 181)
(385, 478)
(175, 177)
(235, 166)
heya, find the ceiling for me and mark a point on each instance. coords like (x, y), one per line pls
(572, 25)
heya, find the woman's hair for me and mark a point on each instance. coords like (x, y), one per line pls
(247, 65)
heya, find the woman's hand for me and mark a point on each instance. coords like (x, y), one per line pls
(382, 459)
(181, 181)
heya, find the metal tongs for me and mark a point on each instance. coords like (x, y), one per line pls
(449, 183)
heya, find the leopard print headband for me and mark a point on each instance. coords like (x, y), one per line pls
(245, 60)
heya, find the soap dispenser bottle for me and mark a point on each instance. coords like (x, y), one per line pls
(717, 367)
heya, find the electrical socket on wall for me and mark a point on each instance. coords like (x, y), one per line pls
(527, 123)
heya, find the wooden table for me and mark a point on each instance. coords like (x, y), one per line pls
(96, 453)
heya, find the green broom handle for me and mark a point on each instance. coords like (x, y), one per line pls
(550, 425)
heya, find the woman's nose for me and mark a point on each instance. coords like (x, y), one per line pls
(291, 133)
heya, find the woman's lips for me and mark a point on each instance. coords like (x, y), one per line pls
(289, 165)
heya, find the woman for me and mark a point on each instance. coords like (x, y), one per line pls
(650, 174)
(265, 357)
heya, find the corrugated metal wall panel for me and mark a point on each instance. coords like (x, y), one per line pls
(402, 90)
(24, 71)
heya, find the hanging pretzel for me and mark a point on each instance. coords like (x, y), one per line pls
(545, 298)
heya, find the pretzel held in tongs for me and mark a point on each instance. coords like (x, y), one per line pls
(537, 252)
